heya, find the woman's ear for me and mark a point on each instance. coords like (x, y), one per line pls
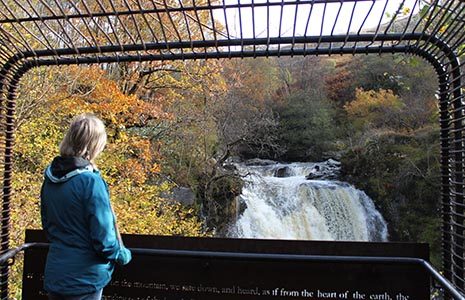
(86, 155)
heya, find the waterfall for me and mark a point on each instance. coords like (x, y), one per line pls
(293, 207)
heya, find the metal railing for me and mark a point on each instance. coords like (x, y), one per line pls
(8, 258)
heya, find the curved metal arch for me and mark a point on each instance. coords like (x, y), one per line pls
(449, 85)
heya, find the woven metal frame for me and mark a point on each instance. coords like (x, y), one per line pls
(54, 32)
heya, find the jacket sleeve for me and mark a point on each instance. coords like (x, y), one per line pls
(43, 213)
(102, 225)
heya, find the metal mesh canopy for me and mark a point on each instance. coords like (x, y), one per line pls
(58, 32)
(53, 31)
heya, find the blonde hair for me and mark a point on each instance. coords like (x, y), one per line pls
(85, 138)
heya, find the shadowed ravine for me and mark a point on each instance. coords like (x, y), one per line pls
(292, 207)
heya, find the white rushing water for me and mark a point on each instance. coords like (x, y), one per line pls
(293, 207)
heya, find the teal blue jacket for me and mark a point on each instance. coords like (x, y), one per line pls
(80, 225)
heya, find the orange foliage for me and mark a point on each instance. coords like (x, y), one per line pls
(338, 84)
(133, 170)
(93, 91)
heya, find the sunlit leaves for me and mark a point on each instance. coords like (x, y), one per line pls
(131, 163)
(374, 107)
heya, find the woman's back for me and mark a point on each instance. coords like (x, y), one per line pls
(73, 265)
(77, 217)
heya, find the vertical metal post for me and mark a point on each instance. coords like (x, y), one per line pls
(445, 131)
(4, 225)
(453, 227)
(9, 127)
(458, 252)
(444, 120)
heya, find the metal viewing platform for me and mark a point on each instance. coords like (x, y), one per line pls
(37, 33)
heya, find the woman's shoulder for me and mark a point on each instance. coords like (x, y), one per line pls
(93, 185)
(93, 178)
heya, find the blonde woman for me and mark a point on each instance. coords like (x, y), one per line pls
(77, 217)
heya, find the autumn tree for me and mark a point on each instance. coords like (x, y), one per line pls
(339, 83)
(131, 163)
(246, 122)
(375, 109)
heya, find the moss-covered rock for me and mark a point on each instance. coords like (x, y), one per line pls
(218, 195)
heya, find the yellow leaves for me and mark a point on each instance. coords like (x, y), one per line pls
(25, 213)
(406, 11)
(130, 163)
(122, 137)
(141, 148)
(130, 157)
(155, 169)
(141, 210)
(37, 142)
(370, 101)
(373, 106)
(133, 170)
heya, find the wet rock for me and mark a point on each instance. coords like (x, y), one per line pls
(183, 195)
(333, 163)
(328, 170)
(241, 206)
(313, 176)
(259, 162)
(233, 160)
(282, 172)
(230, 167)
(219, 202)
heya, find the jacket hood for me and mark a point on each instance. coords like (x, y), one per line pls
(63, 168)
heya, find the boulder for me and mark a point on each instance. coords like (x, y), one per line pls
(259, 162)
(333, 163)
(311, 176)
(241, 206)
(183, 195)
(230, 167)
(282, 172)
(328, 170)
